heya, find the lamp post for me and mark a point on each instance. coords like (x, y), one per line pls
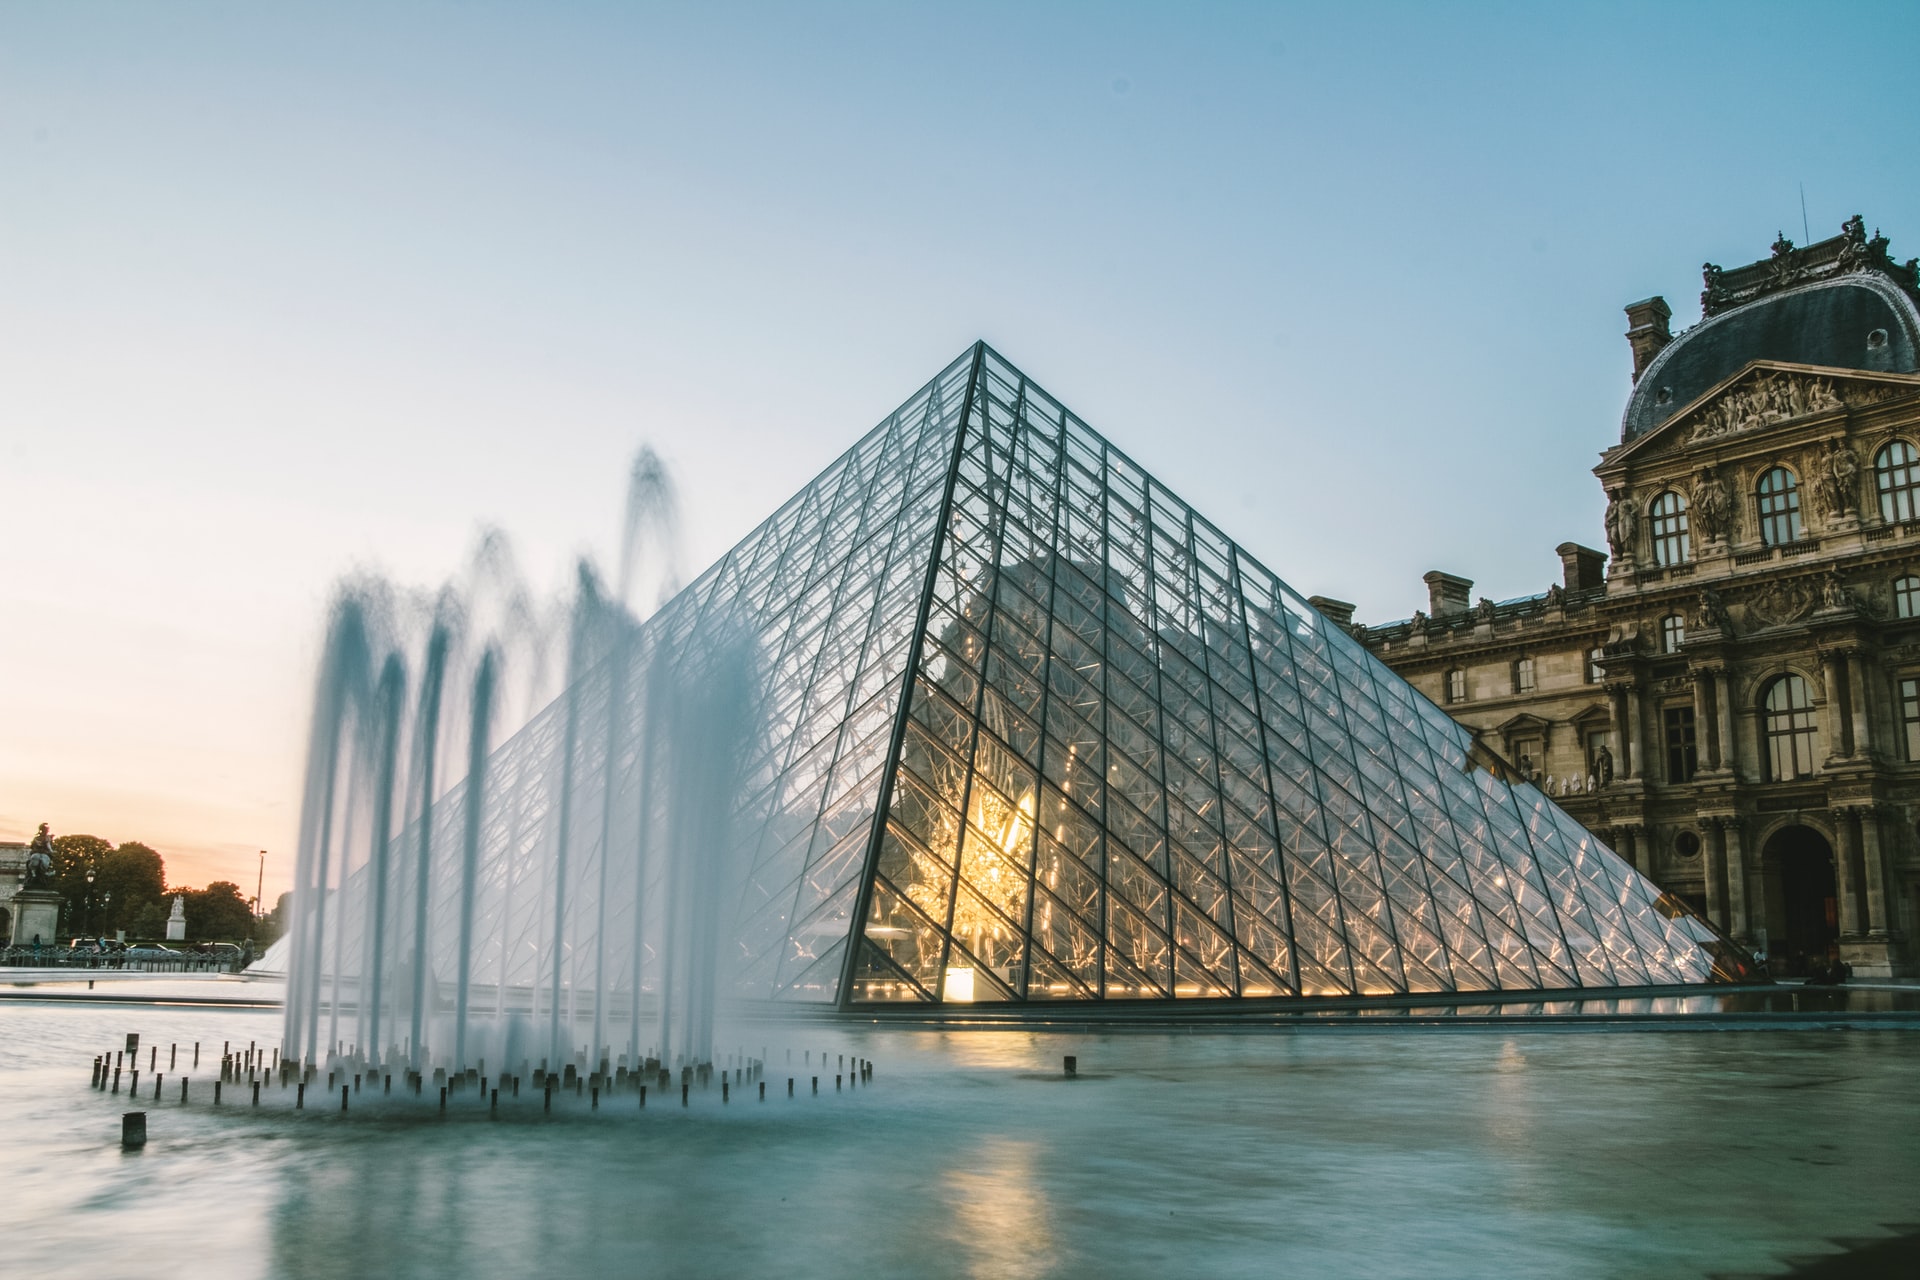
(90, 916)
(259, 884)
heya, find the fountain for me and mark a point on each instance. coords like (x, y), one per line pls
(559, 907)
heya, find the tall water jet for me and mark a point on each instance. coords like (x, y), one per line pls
(426, 746)
(392, 693)
(478, 744)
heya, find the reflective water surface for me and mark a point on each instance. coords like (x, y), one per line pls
(1323, 1152)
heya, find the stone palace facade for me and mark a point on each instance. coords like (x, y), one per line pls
(1732, 697)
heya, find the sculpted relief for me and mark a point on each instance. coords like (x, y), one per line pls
(1770, 398)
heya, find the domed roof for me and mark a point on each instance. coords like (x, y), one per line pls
(1863, 321)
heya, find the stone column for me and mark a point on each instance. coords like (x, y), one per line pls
(1739, 921)
(1726, 755)
(1702, 718)
(1876, 868)
(1623, 843)
(1633, 731)
(1623, 762)
(1857, 691)
(1830, 715)
(1716, 875)
(1845, 858)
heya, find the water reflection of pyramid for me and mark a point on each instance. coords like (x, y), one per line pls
(1043, 733)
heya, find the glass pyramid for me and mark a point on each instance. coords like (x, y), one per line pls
(1043, 733)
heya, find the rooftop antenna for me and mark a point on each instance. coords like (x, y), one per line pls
(1806, 236)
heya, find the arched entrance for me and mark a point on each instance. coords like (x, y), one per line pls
(1802, 916)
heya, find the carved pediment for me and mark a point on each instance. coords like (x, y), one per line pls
(1769, 397)
(1525, 723)
(1764, 394)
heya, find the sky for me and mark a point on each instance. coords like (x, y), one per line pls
(294, 291)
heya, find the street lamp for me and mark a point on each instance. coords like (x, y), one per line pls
(90, 916)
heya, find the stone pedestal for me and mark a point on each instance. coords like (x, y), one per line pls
(1870, 957)
(36, 916)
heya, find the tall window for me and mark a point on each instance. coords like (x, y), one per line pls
(1673, 633)
(1596, 665)
(1596, 739)
(1910, 717)
(1779, 495)
(1682, 756)
(1906, 597)
(1456, 685)
(1896, 474)
(1789, 729)
(1523, 676)
(1672, 542)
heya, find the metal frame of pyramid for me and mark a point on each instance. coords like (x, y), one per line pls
(1039, 733)
(1061, 739)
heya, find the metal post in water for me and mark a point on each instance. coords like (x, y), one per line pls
(133, 1129)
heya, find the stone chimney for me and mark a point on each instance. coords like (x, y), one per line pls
(1338, 611)
(1447, 596)
(1582, 568)
(1647, 331)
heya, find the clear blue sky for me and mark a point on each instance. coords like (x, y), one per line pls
(291, 289)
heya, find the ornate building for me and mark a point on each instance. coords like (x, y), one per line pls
(1734, 698)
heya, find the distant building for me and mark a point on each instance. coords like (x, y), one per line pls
(1735, 702)
(13, 871)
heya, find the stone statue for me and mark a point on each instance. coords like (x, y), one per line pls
(1603, 764)
(1556, 596)
(1483, 612)
(1622, 520)
(1833, 593)
(1834, 480)
(1419, 621)
(1711, 505)
(1713, 611)
(39, 873)
(1843, 470)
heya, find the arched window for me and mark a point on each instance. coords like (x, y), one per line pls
(1779, 495)
(1896, 474)
(1523, 676)
(1906, 597)
(1596, 665)
(1673, 633)
(1456, 685)
(1789, 729)
(1672, 539)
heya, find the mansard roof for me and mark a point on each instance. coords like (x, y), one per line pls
(1839, 304)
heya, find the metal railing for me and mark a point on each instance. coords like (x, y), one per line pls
(135, 962)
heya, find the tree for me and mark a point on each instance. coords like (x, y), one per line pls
(73, 857)
(267, 930)
(135, 877)
(218, 912)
